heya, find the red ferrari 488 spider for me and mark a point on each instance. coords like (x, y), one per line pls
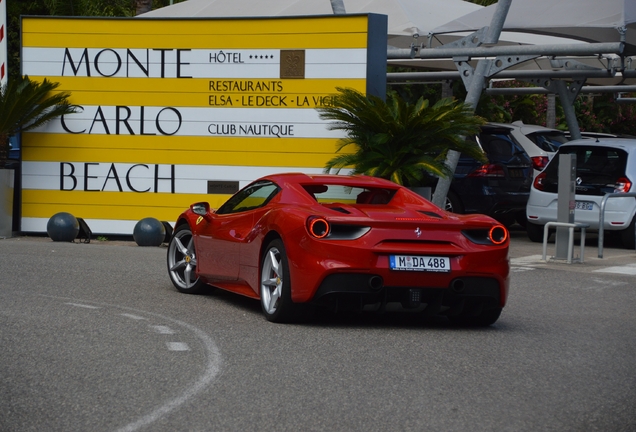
(343, 243)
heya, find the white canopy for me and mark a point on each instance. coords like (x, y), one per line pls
(423, 17)
(405, 17)
(585, 20)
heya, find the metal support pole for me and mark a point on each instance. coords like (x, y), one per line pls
(338, 7)
(542, 90)
(512, 50)
(568, 109)
(447, 90)
(513, 74)
(476, 84)
(550, 115)
(497, 22)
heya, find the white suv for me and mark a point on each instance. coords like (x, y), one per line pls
(539, 142)
(606, 165)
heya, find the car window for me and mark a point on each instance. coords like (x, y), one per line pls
(499, 146)
(251, 197)
(597, 169)
(349, 194)
(548, 141)
(597, 161)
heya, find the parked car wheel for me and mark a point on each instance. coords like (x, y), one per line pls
(535, 232)
(521, 218)
(453, 204)
(182, 262)
(627, 236)
(276, 299)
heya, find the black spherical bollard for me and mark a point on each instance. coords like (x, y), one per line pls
(62, 227)
(149, 232)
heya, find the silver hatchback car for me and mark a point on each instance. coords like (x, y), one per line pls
(604, 165)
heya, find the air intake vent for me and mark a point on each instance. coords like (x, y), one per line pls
(431, 214)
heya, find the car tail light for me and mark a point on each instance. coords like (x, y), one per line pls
(318, 226)
(539, 162)
(498, 234)
(488, 170)
(538, 181)
(623, 185)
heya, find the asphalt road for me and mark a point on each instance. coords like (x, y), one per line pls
(93, 337)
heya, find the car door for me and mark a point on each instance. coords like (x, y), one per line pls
(220, 242)
(218, 249)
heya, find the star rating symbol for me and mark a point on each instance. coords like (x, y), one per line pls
(261, 57)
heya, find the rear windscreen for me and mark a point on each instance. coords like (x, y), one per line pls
(595, 162)
(500, 146)
(349, 194)
(597, 169)
(548, 141)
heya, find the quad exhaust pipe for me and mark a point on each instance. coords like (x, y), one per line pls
(376, 283)
(457, 285)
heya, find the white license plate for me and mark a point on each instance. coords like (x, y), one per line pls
(584, 205)
(419, 263)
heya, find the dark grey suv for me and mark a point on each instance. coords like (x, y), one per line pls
(500, 187)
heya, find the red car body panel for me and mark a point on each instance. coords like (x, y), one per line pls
(229, 246)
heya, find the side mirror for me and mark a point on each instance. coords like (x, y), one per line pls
(202, 209)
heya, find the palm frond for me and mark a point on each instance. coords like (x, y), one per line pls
(396, 140)
(26, 104)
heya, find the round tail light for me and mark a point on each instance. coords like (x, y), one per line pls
(498, 234)
(318, 227)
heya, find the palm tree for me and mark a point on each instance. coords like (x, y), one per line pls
(396, 140)
(25, 105)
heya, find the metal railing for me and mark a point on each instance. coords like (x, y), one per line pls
(601, 228)
(571, 227)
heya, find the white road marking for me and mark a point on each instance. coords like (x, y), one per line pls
(82, 305)
(531, 262)
(212, 368)
(527, 260)
(178, 346)
(629, 269)
(609, 282)
(131, 316)
(162, 329)
(521, 269)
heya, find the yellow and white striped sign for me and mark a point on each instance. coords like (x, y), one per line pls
(175, 111)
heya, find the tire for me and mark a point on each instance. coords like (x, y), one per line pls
(521, 218)
(453, 204)
(182, 262)
(506, 220)
(275, 286)
(535, 232)
(486, 318)
(627, 236)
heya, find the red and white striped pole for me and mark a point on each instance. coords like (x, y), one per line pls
(3, 42)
